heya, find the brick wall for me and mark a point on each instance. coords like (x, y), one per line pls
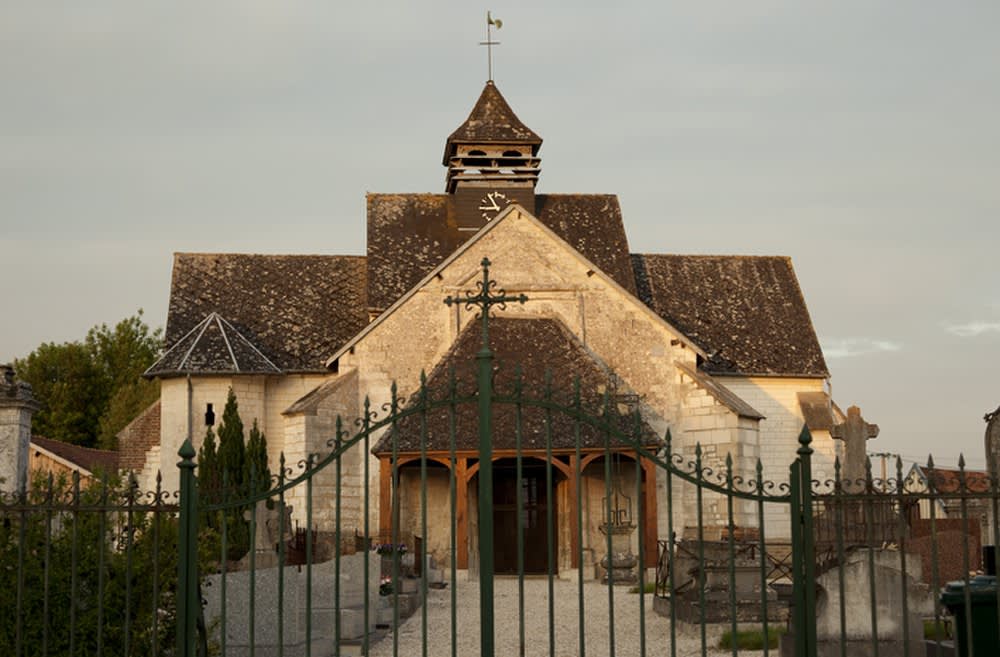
(138, 437)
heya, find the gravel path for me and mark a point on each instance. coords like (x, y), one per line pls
(536, 624)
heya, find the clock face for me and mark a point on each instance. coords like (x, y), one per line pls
(492, 204)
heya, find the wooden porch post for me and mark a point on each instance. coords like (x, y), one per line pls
(651, 525)
(385, 497)
(574, 503)
(461, 513)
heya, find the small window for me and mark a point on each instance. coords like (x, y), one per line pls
(512, 153)
(477, 153)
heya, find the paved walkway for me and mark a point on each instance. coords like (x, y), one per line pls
(536, 622)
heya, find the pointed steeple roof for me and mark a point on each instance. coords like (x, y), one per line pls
(213, 346)
(491, 121)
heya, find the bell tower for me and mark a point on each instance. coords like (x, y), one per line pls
(492, 161)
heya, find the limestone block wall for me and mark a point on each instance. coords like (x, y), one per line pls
(777, 399)
(313, 431)
(260, 397)
(721, 433)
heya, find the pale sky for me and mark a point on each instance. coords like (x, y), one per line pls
(861, 139)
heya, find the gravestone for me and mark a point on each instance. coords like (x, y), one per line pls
(855, 433)
(16, 408)
(893, 637)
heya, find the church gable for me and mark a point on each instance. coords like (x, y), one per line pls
(410, 234)
(294, 310)
(560, 283)
(746, 312)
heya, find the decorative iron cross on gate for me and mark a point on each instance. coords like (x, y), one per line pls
(485, 299)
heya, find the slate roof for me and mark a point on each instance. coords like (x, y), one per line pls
(491, 121)
(213, 346)
(537, 345)
(84, 457)
(291, 311)
(747, 312)
(410, 234)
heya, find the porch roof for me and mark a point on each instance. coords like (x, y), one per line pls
(537, 346)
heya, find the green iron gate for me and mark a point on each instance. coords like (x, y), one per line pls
(90, 570)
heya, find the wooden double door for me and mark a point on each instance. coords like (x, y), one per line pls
(532, 515)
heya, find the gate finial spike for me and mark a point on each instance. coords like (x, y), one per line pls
(805, 439)
(930, 460)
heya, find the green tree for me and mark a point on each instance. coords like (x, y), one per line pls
(232, 459)
(70, 389)
(257, 475)
(121, 354)
(90, 390)
(209, 482)
(78, 559)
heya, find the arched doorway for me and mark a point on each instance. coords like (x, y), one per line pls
(536, 500)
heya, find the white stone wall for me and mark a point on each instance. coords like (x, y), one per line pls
(777, 399)
(260, 397)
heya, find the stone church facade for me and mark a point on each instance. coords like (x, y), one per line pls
(720, 350)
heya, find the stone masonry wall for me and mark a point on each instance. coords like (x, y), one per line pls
(777, 399)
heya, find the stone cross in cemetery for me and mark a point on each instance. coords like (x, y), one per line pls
(855, 433)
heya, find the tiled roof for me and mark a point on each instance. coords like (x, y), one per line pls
(213, 346)
(747, 312)
(492, 121)
(410, 234)
(84, 457)
(949, 480)
(290, 311)
(537, 345)
(817, 410)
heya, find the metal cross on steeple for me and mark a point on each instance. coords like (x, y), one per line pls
(489, 43)
(484, 300)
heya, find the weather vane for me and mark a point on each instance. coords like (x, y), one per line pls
(489, 43)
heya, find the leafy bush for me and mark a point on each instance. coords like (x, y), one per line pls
(89, 571)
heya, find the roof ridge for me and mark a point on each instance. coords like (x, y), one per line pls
(268, 255)
(35, 437)
(715, 255)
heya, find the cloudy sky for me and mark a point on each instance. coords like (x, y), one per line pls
(859, 138)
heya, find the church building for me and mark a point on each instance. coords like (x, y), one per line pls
(719, 350)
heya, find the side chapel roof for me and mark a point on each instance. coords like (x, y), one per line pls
(410, 234)
(260, 313)
(747, 312)
(538, 345)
